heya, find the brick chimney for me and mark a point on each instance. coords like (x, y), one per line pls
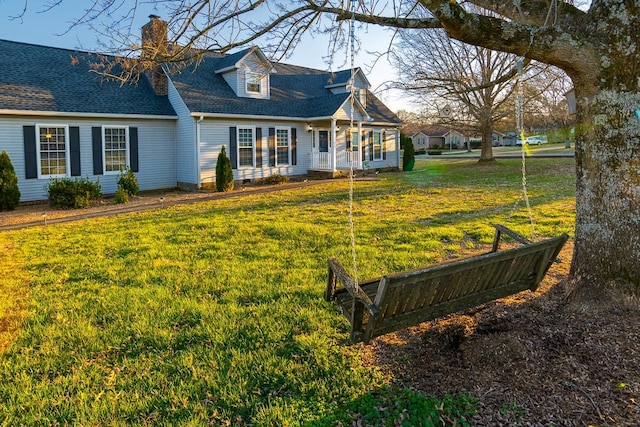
(154, 49)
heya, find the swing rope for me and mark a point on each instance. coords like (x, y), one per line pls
(520, 126)
(351, 114)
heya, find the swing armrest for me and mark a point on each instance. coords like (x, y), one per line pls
(338, 272)
(500, 229)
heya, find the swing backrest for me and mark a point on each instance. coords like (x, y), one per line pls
(397, 301)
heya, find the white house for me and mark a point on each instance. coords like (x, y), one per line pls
(60, 119)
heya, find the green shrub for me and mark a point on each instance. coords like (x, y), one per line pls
(224, 173)
(409, 158)
(9, 192)
(121, 196)
(434, 152)
(128, 182)
(276, 179)
(73, 193)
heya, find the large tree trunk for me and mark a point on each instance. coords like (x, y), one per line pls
(486, 130)
(606, 263)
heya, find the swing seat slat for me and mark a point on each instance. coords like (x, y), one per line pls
(396, 301)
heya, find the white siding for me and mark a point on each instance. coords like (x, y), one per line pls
(215, 133)
(232, 80)
(156, 152)
(344, 113)
(391, 146)
(186, 163)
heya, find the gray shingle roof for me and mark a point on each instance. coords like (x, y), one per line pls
(40, 78)
(295, 92)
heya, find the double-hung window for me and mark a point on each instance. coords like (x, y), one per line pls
(283, 144)
(53, 151)
(115, 148)
(377, 145)
(246, 146)
(253, 82)
(355, 138)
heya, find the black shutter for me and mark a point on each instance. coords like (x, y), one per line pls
(74, 148)
(384, 145)
(30, 152)
(96, 138)
(370, 145)
(258, 147)
(348, 138)
(364, 144)
(294, 146)
(134, 162)
(272, 146)
(233, 147)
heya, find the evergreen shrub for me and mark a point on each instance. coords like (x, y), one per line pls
(224, 173)
(409, 158)
(128, 182)
(9, 192)
(121, 196)
(69, 193)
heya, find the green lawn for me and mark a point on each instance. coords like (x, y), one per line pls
(212, 313)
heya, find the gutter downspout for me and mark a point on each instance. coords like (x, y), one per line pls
(198, 171)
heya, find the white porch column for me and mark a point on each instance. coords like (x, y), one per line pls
(360, 159)
(332, 142)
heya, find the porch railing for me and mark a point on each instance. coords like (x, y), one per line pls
(344, 160)
(321, 161)
(348, 159)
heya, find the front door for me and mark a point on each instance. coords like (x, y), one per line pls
(323, 141)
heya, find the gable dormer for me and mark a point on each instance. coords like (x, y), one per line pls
(247, 73)
(342, 84)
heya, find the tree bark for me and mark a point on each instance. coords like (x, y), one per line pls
(486, 131)
(606, 264)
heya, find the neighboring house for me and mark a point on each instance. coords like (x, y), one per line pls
(497, 139)
(510, 138)
(59, 118)
(438, 137)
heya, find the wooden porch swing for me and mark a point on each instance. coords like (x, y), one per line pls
(393, 302)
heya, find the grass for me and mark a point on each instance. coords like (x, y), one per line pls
(211, 313)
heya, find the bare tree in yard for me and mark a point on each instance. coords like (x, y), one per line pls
(478, 81)
(598, 47)
(548, 110)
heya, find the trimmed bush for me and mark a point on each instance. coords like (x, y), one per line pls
(276, 179)
(409, 158)
(434, 152)
(121, 196)
(9, 192)
(128, 182)
(69, 193)
(224, 173)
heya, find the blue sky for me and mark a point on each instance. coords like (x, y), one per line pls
(51, 28)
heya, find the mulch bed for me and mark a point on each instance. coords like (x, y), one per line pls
(530, 360)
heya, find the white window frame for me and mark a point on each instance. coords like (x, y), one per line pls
(379, 133)
(288, 130)
(67, 151)
(355, 142)
(104, 149)
(253, 146)
(252, 78)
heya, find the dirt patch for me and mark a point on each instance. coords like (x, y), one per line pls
(528, 359)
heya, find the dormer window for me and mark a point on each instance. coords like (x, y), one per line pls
(253, 82)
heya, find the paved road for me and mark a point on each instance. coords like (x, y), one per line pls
(503, 153)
